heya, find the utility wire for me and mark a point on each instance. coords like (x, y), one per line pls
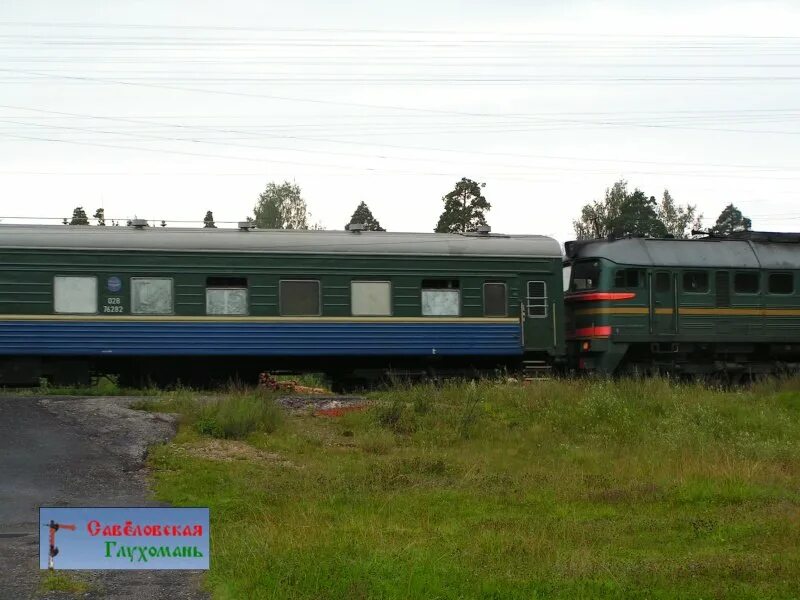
(139, 122)
(382, 31)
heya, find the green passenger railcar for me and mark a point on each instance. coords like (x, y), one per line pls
(168, 303)
(714, 305)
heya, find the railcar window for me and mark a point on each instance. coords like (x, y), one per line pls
(76, 295)
(151, 295)
(495, 302)
(371, 298)
(441, 297)
(585, 275)
(627, 278)
(663, 282)
(537, 299)
(695, 282)
(781, 283)
(745, 283)
(300, 297)
(226, 296)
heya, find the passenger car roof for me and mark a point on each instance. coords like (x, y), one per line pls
(109, 238)
(701, 253)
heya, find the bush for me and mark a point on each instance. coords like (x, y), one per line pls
(396, 415)
(237, 415)
(377, 442)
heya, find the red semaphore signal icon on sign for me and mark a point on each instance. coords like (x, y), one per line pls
(53, 549)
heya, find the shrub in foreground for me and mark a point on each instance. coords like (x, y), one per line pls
(237, 415)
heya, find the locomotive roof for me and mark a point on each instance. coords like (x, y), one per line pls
(700, 253)
(72, 237)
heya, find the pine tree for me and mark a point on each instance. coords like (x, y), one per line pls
(363, 215)
(208, 221)
(79, 217)
(100, 215)
(464, 208)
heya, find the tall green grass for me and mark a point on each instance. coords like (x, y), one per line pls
(641, 488)
(237, 415)
(234, 414)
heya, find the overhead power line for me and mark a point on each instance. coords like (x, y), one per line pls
(138, 122)
(460, 31)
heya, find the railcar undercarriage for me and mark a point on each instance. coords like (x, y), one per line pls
(730, 361)
(344, 373)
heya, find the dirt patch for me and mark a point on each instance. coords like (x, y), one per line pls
(331, 406)
(231, 450)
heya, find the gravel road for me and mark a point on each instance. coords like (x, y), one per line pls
(77, 452)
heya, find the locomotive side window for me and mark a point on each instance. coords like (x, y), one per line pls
(76, 295)
(585, 276)
(781, 283)
(627, 278)
(745, 283)
(441, 297)
(695, 282)
(537, 299)
(663, 281)
(226, 296)
(371, 298)
(495, 302)
(151, 295)
(300, 297)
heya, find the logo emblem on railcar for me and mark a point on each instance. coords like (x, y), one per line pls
(114, 284)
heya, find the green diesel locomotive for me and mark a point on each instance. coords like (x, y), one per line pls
(705, 306)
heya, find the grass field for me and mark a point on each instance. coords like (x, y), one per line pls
(560, 489)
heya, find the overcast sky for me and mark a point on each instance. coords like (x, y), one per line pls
(164, 110)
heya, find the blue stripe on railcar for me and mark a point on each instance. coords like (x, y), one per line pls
(126, 338)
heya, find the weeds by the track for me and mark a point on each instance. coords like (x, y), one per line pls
(561, 489)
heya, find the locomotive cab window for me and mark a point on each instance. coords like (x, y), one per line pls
(781, 283)
(151, 295)
(585, 275)
(663, 282)
(745, 283)
(495, 302)
(441, 297)
(695, 282)
(75, 295)
(300, 297)
(226, 296)
(371, 298)
(628, 278)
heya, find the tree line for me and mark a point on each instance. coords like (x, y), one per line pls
(620, 213)
(623, 212)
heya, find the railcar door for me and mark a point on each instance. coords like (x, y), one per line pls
(539, 307)
(663, 306)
